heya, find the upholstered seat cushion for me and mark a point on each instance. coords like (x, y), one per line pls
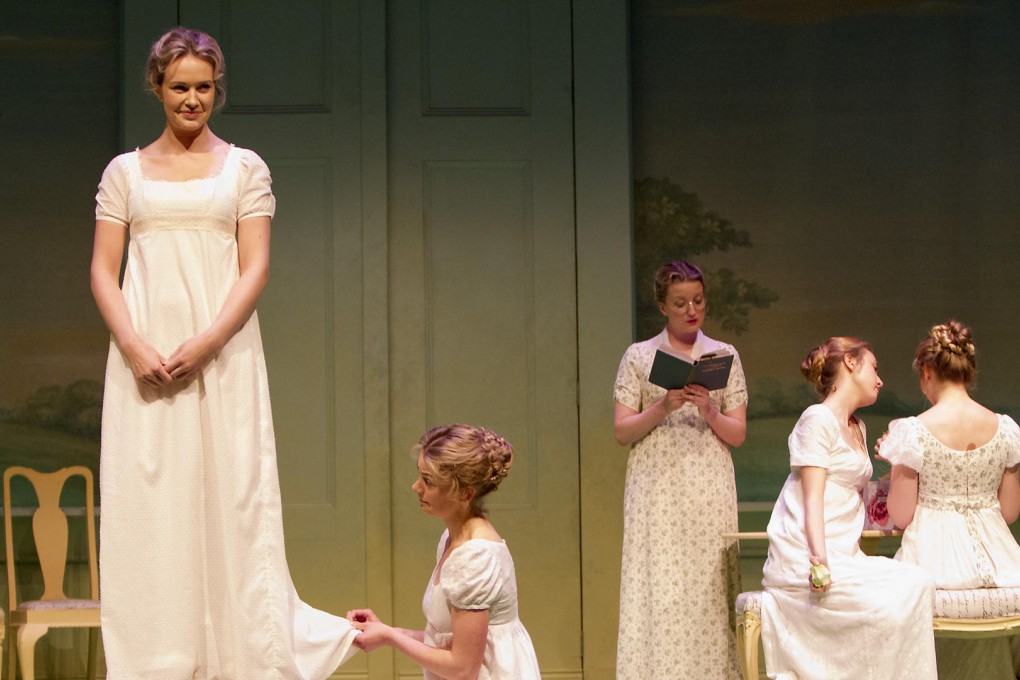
(977, 603)
(749, 602)
(39, 605)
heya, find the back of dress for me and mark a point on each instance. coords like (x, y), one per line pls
(958, 533)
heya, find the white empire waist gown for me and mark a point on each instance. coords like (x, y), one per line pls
(195, 583)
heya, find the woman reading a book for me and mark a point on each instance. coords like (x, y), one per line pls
(679, 576)
(830, 611)
(955, 489)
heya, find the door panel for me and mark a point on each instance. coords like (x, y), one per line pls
(482, 293)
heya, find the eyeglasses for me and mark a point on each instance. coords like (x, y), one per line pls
(697, 303)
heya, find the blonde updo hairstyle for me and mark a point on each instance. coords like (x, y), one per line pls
(672, 272)
(821, 366)
(463, 457)
(182, 42)
(949, 352)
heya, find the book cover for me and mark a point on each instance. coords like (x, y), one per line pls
(673, 370)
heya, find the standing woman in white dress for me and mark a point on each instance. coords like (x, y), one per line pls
(195, 579)
(955, 489)
(472, 630)
(680, 577)
(829, 611)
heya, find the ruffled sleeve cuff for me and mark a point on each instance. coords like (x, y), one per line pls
(903, 445)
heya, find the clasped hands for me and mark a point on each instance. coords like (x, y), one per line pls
(694, 394)
(153, 369)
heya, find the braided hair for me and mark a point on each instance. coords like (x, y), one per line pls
(465, 457)
(948, 352)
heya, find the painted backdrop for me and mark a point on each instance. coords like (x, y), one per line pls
(846, 168)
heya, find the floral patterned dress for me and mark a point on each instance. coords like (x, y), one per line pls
(679, 578)
(958, 534)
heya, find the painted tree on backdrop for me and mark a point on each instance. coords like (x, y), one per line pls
(671, 224)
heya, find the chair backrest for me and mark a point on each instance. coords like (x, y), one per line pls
(50, 530)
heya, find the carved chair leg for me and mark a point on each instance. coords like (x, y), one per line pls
(27, 637)
(748, 634)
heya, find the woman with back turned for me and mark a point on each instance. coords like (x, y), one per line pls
(954, 492)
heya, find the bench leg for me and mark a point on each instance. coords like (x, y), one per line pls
(748, 634)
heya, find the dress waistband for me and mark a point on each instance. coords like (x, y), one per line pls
(958, 503)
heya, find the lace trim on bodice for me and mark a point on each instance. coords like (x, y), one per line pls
(968, 507)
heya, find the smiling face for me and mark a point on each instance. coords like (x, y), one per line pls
(188, 94)
(434, 499)
(684, 307)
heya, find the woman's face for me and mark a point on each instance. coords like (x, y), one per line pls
(864, 374)
(684, 307)
(188, 93)
(434, 499)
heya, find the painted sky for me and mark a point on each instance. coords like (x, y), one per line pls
(871, 149)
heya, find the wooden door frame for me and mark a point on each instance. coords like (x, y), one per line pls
(605, 307)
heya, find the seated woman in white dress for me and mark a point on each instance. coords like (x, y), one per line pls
(470, 603)
(954, 490)
(829, 611)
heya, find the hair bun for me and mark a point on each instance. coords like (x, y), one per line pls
(813, 364)
(500, 455)
(953, 337)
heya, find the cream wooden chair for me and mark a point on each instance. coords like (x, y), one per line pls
(53, 609)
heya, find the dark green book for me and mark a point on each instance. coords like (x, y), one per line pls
(672, 371)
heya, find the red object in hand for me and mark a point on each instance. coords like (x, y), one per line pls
(360, 618)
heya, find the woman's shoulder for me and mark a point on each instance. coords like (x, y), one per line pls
(248, 157)
(477, 561)
(818, 412)
(712, 345)
(1007, 426)
(479, 549)
(817, 418)
(644, 347)
(123, 162)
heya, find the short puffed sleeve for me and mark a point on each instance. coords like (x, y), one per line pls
(112, 198)
(255, 191)
(1011, 432)
(629, 378)
(903, 444)
(814, 438)
(735, 392)
(472, 577)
